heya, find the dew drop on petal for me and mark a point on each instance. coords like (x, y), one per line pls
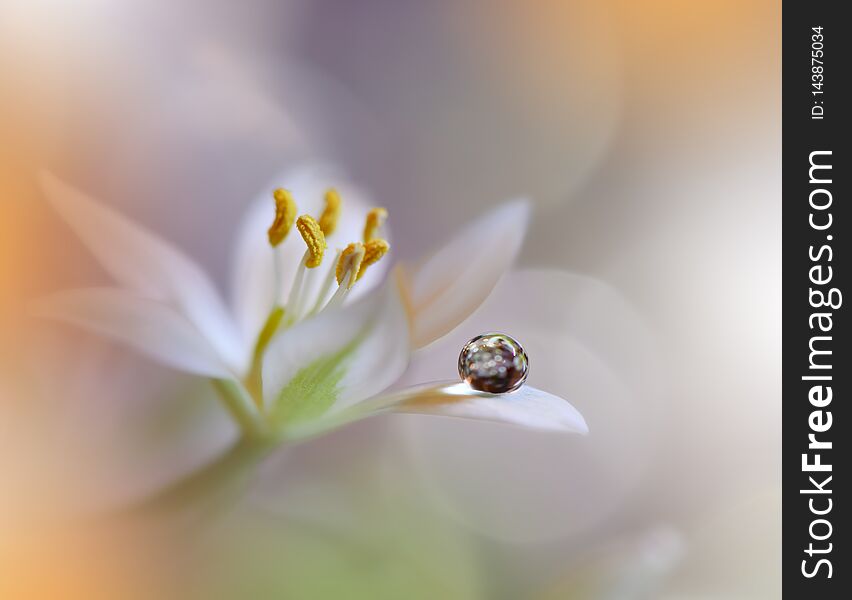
(493, 362)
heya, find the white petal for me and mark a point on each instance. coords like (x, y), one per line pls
(373, 334)
(382, 355)
(252, 278)
(456, 279)
(147, 325)
(150, 265)
(527, 407)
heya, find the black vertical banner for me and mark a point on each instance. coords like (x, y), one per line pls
(817, 371)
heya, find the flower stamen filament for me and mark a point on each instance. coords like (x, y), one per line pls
(285, 217)
(346, 272)
(325, 288)
(315, 241)
(305, 298)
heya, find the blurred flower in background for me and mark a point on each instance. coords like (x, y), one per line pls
(646, 135)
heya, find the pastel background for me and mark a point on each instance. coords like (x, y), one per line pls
(647, 135)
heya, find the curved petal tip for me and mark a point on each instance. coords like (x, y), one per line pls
(459, 276)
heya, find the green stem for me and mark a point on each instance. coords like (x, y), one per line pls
(215, 484)
(241, 407)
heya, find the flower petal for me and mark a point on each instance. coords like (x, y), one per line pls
(147, 325)
(383, 353)
(150, 265)
(528, 407)
(339, 357)
(457, 278)
(252, 279)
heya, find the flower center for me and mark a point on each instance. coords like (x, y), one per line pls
(351, 263)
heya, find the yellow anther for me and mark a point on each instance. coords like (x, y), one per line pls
(329, 217)
(285, 215)
(375, 219)
(315, 240)
(374, 250)
(350, 261)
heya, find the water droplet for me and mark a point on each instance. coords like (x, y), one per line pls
(494, 362)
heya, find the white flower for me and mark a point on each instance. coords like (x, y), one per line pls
(301, 349)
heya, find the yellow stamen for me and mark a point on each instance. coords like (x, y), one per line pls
(350, 261)
(329, 217)
(285, 215)
(315, 240)
(374, 250)
(375, 219)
